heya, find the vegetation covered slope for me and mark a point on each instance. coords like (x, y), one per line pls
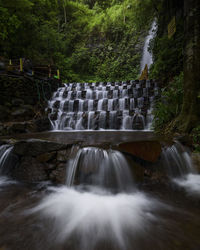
(89, 40)
(176, 63)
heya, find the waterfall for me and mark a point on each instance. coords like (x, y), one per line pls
(7, 162)
(177, 160)
(146, 55)
(111, 105)
(100, 167)
(178, 164)
(6, 159)
(100, 207)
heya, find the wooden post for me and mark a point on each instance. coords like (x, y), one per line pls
(21, 65)
(58, 73)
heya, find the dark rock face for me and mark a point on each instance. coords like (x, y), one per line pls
(11, 128)
(22, 102)
(42, 124)
(40, 160)
(30, 170)
(35, 147)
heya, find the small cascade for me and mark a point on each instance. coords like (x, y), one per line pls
(177, 160)
(99, 167)
(97, 106)
(7, 162)
(6, 159)
(180, 168)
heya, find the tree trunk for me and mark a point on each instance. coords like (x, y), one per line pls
(65, 13)
(190, 114)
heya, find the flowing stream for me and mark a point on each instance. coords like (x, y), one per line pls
(101, 206)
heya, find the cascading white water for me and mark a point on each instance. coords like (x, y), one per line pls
(82, 106)
(180, 168)
(177, 160)
(99, 167)
(7, 161)
(103, 210)
(146, 55)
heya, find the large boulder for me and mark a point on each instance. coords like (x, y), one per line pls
(148, 151)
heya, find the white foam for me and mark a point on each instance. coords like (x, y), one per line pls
(190, 182)
(4, 181)
(97, 215)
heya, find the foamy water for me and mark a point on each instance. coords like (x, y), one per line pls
(190, 182)
(4, 181)
(97, 215)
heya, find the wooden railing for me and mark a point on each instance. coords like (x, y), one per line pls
(24, 66)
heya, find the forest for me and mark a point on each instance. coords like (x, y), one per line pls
(88, 40)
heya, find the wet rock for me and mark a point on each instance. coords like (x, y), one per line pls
(149, 151)
(46, 157)
(23, 112)
(35, 147)
(137, 169)
(59, 174)
(17, 102)
(56, 104)
(2, 129)
(196, 161)
(53, 116)
(5, 113)
(50, 166)
(42, 124)
(29, 170)
(17, 128)
(63, 155)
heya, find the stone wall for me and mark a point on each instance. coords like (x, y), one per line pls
(22, 104)
(42, 160)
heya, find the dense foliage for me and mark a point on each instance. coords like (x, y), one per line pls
(88, 40)
(168, 64)
(170, 103)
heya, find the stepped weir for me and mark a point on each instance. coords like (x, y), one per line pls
(103, 105)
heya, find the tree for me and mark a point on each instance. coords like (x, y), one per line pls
(190, 114)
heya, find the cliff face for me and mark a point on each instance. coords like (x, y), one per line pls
(168, 53)
(177, 63)
(190, 115)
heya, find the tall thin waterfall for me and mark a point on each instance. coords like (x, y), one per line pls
(97, 106)
(146, 56)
